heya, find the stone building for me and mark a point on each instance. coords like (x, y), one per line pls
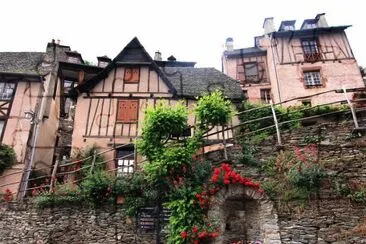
(287, 63)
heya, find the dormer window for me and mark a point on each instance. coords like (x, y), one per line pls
(6, 90)
(74, 57)
(287, 25)
(309, 24)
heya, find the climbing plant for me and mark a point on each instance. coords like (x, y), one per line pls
(183, 184)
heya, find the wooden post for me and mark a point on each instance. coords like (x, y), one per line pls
(224, 142)
(351, 107)
(276, 124)
(53, 177)
(93, 162)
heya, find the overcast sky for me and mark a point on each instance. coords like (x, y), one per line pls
(191, 30)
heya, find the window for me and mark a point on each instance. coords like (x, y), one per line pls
(127, 111)
(312, 78)
(288, 27)
(306, 103)
(311, 50)
(309, 26)
(132, 74)
(1, 127)
(125, 160)
(251, 72)
(6, 90)
(266, 95)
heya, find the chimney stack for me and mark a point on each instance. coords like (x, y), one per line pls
(268, 26)
(321, 21)
(229, 44)
(157, 56)
(172, 58)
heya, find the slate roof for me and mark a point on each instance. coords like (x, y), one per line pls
(21, 62)
(196, 81)
(244, 52)
(310, 32)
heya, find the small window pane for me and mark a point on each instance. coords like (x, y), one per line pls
(125, 161)
(6, 90)
(312, 78)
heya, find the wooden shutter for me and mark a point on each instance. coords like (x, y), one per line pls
(127, 111)
(132, 74)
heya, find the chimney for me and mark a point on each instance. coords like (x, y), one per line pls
(321, 21)
(172, 58)
(229, 44)
(268, 25)
(157, 56)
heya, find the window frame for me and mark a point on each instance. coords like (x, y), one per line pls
(267, 95)
(249, 78)
(310, 49)
(312, 84)
(2, 93)
(131, 80)
(126, 121)
(128, 155)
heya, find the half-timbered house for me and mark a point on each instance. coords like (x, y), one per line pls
(288, 63)
(29, 105)
(110, 106)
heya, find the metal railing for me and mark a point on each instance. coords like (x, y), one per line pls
(73, 167)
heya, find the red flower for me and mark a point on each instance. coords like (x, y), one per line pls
(261, 191)
(184, 234)
(195, 242)
(195, 229)
(214, 178)
(226, 182)
(203, 234)
(217, 171)
(214, 234)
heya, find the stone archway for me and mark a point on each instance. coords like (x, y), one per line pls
(245, 215)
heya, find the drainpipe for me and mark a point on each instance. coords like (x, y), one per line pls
(275, 69)
(36, 119)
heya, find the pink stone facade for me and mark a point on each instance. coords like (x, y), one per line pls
(296, 63)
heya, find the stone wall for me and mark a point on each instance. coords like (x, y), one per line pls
(22, 223)
(328, 217)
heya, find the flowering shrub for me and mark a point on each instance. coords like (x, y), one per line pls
(223, 176)
(296, 174)
(306, 172)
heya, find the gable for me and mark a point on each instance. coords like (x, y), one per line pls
(134, 54)
(119, 81)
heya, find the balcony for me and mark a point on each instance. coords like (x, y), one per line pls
(312, 57)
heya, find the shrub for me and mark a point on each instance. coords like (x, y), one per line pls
(7, 157)
(87, 155)
(97, 187)
(214, 109)
(63, 194)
